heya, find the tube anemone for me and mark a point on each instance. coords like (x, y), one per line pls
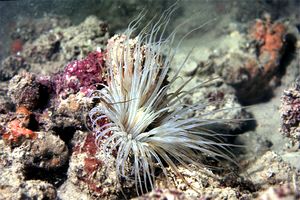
(147, 123)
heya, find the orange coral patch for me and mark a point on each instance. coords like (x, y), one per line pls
(16, 133)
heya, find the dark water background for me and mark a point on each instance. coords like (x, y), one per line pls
(119, 13)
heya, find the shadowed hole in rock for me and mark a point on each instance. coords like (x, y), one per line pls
(289, 54)
(45, 158)
(54, 176)
(55, 48)
(33, 123)
(44, 97)
(235, 181)
(66, 134)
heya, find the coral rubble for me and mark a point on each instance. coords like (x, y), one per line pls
(290, 112)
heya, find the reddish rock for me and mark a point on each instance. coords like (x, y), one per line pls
(16, 46)
(253, 69)
(17, 129)
(270, 42)
(91, 164)
(16, 133)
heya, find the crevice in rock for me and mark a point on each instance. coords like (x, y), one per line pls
(66, 134)
(54, 176)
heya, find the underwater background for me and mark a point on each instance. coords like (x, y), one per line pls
(53, 54)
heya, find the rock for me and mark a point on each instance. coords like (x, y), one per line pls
(222, 106)
(165, 194)
(218, 100)
(270, 169)
(25, 91)
(28, 29)
(204, 184)
(93, 173)
(292, 158)
(253, 68)
(18, 126)
(47, 151)
(13, 183)
(11, 65)
(5, 104)
(69, 191)
(55, 48)
(34, 189)
(62, 45)
(10, 167)
(282, 192)
(290, 112)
